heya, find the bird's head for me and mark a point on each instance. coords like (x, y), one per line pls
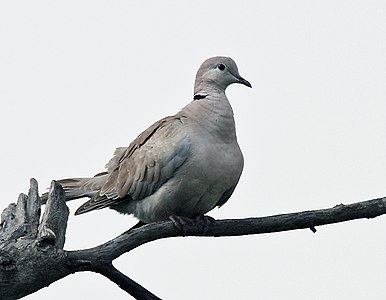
(218, 72)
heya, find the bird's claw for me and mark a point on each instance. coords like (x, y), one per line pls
(206, 221)
(202, 222)
(180, 223)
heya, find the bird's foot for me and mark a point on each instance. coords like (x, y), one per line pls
(180, 223)
(201, 221)
(204, 222)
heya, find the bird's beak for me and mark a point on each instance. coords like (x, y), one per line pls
(243, 81)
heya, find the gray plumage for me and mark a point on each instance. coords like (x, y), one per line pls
(182, 165)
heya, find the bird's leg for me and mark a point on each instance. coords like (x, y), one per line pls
(206, 222)
(180, 222)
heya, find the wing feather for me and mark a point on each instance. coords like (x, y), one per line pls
(139, 170)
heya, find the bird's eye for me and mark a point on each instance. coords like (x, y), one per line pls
(221, 67)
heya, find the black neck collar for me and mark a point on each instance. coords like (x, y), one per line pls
(199, 96)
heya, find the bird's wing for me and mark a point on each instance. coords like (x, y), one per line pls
(150, 160)
(115, 160)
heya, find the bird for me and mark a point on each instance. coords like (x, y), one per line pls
(179, 168)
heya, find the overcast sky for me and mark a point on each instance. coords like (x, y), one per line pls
(80, 78)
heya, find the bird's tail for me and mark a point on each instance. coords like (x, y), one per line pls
(76, 188)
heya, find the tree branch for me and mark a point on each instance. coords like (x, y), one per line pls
(236, 227)
(32, 255)
(125, 283)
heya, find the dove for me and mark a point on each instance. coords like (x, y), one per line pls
(182, 166)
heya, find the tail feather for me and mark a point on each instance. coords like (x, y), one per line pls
(76, 188)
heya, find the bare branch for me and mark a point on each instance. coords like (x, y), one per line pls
(32, 255)
(28, 262)
(125, 283)
(53, 226)
(236, 227)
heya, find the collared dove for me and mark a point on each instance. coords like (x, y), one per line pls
(181, 166)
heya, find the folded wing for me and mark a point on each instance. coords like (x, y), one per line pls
(137, 171)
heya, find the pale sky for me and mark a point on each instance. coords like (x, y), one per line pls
(80, 78)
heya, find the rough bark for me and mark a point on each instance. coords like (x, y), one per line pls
(32, 255)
